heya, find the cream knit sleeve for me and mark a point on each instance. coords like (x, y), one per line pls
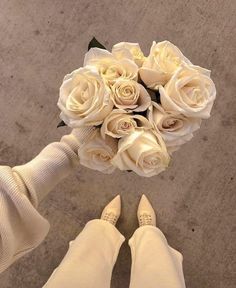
(22, 228)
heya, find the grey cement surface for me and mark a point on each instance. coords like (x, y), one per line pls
(195, 198)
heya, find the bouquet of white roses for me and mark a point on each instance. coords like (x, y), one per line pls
(141, 108)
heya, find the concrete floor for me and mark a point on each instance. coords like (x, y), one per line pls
(195, 198)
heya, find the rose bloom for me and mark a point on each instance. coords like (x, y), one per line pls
(120, 123)
(189, 92)
(175, 128)
(143, 152)
(130, 51)
(164, 59)
(84, 98)
(97, 153)
(130, 95)
(109, 67)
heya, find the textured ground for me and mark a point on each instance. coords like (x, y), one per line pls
(195, 199)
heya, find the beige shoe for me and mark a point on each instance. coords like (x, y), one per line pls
(146, 214)
(111, 212)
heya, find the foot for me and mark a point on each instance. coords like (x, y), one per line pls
(111, 212)
(146, 214)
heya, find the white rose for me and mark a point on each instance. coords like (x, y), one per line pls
(84, 98)
(175, 128)
(97, 153)
(129, 50)
(109, 67)
(189, 92)
(164, 59)
(130, 95)
(144, 152)
(120, 123)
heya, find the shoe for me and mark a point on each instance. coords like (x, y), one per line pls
(146, 214)
(111, 212)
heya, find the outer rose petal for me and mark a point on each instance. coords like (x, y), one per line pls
(172, 96)
(102, 61)
(139, 100)
(174, 135)
(117, 115)
(97, 153)
(130, 51)
(135, 149)
(76, 112)
(164, 59)
(96, 54)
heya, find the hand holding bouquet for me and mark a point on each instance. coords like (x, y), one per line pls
(142, 108)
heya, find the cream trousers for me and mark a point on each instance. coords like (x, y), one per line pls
(91, 257)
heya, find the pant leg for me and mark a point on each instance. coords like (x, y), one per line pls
(90, 259)
(154, 263)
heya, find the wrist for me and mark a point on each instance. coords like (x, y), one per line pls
(77, 137)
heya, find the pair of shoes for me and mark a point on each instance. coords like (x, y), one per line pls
(145, 212)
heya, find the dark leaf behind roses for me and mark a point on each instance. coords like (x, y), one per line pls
(94, 43)
(62, 123)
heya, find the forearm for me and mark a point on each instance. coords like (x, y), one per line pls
(48, 168)
(22, 228)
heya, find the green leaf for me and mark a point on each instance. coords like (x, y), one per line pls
(94, 43)
(62, 123)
